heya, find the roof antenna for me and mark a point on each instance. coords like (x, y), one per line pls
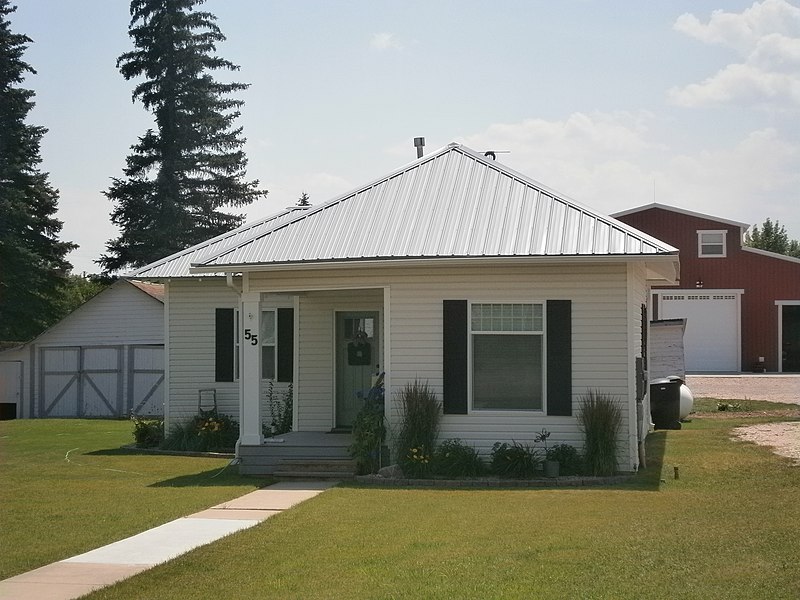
(493, 153)
(419, 144)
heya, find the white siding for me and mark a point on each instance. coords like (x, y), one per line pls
(637, 296)
(316, 382)
(605, 315)
(119, 317)
(192, 342)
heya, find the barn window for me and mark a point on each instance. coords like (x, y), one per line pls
(712, 243)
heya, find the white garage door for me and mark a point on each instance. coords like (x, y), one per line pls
(81, 381)
(712, 338)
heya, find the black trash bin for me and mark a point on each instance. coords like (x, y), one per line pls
(665, 403)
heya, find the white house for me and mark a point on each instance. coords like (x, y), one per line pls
(105, 359)
(508, 299)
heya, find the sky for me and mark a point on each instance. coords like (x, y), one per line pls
(615, 104)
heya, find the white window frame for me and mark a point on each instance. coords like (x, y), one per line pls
(274, 344)
(541, 333)
(701, 244)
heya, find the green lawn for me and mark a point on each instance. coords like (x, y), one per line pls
(67, 487)
(729, 527)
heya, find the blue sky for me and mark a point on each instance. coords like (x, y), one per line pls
(691, 103)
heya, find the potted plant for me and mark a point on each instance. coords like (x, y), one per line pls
(551, 467)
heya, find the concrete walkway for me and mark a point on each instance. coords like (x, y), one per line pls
(79, 575)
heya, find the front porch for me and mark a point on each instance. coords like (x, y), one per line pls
(312, 454)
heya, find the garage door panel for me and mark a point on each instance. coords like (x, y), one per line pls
(60, 395)
(81, 382)
(100, 396)
(147, 380)
(712, 339)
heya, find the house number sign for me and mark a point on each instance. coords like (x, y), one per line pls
(253, 337)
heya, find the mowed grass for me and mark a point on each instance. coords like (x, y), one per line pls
(728, 527)
(67, 487)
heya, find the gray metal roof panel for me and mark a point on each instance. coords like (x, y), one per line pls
(178, 264)
(452, 203)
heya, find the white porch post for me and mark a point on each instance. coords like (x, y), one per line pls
(250, 370)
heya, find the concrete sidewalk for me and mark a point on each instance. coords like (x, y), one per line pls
(79, 575)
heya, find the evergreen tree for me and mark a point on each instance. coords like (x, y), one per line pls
(772, 237)
(33, 263)
(303, 200)
(180, 174)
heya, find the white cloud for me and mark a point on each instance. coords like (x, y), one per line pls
(610, 162)
(767, 37)
(742, 31)
(385, 41)
(740, 83)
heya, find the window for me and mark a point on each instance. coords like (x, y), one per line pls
(507, 356)
(268, 344)
(712, 243)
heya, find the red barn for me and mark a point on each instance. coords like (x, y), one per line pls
(742, 304)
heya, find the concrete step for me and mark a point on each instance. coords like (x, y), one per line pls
(318, 468)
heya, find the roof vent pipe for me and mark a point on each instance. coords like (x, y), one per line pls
(419, 144)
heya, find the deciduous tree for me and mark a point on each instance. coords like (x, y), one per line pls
(772, 237)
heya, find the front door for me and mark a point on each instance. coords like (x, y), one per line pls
(357, 360)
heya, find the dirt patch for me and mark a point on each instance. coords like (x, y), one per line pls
(783, 438)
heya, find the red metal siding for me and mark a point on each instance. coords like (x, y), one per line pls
(764, 279)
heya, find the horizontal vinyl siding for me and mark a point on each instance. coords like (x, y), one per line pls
(316, 383)
(600, 314)
(192, 305)
(120, 315)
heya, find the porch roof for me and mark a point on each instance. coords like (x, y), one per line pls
(453, 203)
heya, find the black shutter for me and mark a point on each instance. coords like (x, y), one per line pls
(454, 388)
(559, 357)
(285, 344)
(223, 367)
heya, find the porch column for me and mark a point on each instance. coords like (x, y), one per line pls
(250, 370)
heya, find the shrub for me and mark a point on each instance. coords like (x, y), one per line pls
(568, 457)
(148, 433)
(205, 432)
(600, 420)
(515, 460)
(419, 429)
(369, 432)
(280, 410)
(453, 458)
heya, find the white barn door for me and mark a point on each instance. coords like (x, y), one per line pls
(146, 380)
(81, 381)
(712, 341)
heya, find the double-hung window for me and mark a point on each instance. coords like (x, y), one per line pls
(507, 356)
(712, 243)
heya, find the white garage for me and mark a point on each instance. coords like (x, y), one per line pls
(106, 359)
(712, 341)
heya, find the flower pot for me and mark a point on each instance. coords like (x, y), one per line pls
(551, 468)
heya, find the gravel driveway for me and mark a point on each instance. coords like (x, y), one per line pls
(782, 438)
(774, 388)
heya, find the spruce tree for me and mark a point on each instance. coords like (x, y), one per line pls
(33, 263)
(181, 173)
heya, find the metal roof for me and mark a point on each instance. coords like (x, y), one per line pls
(177, 265)
(453, 203)
(682, 211)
